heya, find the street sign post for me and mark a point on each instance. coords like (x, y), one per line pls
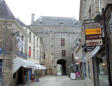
(92, 31)
(93, 34)
(95, 42)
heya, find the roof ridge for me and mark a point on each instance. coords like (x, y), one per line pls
(57, 17)
(56, 21)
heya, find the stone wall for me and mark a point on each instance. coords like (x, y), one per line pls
(90, 8)
(52, 44)
(6, 43)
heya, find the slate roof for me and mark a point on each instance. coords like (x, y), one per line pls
(5, 12)
(56, 21)
(20, 22)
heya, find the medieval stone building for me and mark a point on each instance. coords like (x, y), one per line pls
(58, 35)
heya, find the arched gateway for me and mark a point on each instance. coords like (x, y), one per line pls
(62, 62)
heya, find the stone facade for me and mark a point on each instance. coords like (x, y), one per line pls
(9, 27)
(51, 30)
(9, 44)
(89, 9)
(6, 43)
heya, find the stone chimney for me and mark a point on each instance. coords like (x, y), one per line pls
(32, 18)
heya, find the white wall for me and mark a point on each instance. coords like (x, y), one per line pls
(34, 44)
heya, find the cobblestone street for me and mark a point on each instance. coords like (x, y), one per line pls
(56, 81)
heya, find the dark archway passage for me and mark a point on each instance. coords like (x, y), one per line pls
(63, 63)
(20, 76)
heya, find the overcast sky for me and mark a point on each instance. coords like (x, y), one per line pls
(61, 8)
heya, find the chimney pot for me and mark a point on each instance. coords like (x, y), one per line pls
(32, 18)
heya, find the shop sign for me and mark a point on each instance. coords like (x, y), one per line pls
(89, 25)
(95, 36)
(93, 31)
(94, 42)
(90, 48)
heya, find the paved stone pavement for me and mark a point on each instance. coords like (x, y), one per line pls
(56, 81)
(103, 81)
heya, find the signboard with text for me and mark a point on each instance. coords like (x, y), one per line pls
(94, 42)
(93, 34)
(93, 31)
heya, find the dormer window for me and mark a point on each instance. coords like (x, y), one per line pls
(61, 22)
(41, 22)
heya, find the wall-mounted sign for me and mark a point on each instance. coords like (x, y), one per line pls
(90, 24)
(20, 44)
(94, 42)
(93, 31)
(93, 34)
(90, 48)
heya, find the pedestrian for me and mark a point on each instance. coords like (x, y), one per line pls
(78, 75)
(32, 78)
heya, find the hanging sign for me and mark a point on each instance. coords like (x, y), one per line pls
(20, 44)
(93, 34)
(93, 31)
(94, 42)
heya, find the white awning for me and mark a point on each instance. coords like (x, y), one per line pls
(19, 62)
(92, 53)
(41, 67)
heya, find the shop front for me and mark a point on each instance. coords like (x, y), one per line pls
(24, 70)
(100, 68)
(90, 67)
(21, 68)
(108, 27)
